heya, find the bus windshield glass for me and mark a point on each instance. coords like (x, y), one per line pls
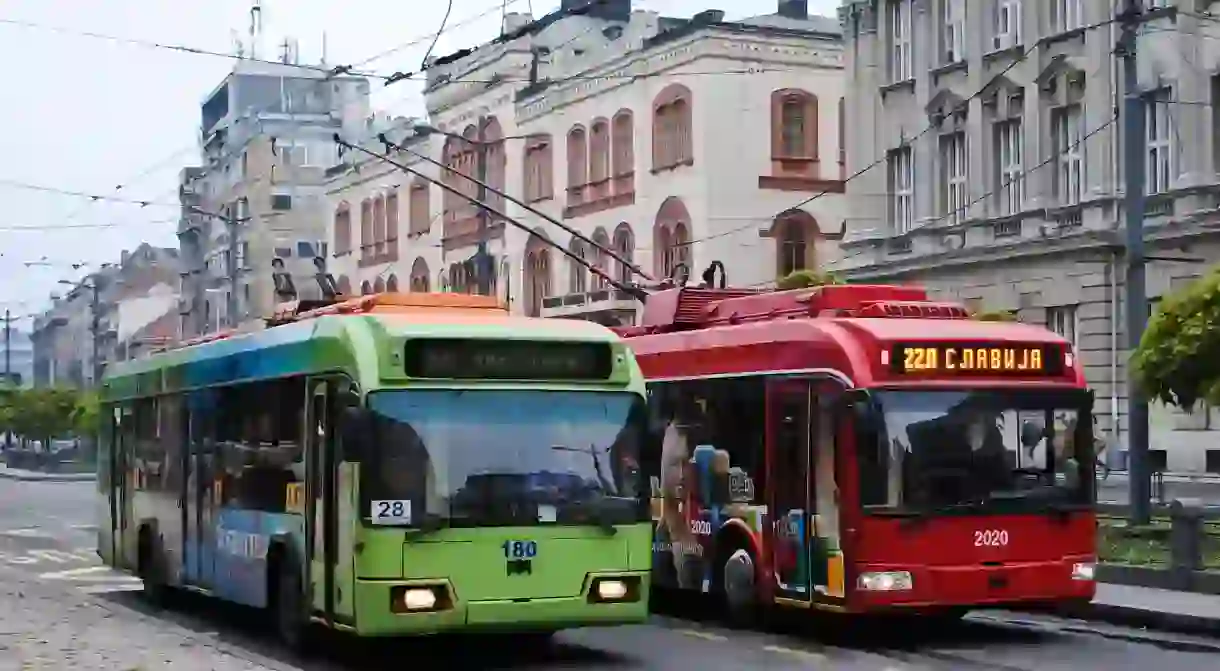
(983, 451)
(507, 457)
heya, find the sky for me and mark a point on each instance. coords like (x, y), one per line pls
(102, 117)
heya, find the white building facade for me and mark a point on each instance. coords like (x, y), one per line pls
(990, 163)
(674, 142)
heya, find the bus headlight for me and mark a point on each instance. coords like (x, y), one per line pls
(611, 590)
(421, 598)
(1084, 571)
(885, 581)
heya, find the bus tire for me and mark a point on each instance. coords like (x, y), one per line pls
(287, 600)
(738, 577)
(150, 566)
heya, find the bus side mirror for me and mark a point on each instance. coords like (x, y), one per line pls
(355, 430)
(859, 402)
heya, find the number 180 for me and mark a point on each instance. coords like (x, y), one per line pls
(520, 549)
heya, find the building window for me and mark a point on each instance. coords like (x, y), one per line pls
(902, 190)
(1007, 24)
(538, 174)
(899, 24)
(1010, 178)
(953, 31)
(842, 111)
(1063, 320)
(671, 128)
(1066, 15)
(420, 210)
(391, 224)
(953, 176)
(623, 144)
(578, 165)
(599, 159)
(343, 229)
(1069, 153)
(379, 226)
(578, 275)
(281, 202)
(1159, 129)
(366, 227)
(624, 246)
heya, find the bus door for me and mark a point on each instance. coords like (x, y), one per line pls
(321, 474)
(124, 484)
(789, 484)
(203, 489)
(108, 456)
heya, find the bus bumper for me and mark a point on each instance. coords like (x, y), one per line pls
(376, 614)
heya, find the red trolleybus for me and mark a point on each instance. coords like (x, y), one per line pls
(863, 449)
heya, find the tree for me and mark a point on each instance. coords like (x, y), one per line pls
(1177, 360)
(42, 414)
(995, 316)
(801, 279)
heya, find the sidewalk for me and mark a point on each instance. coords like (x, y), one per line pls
(1118, 477)
(7, 473)
(1181, 612)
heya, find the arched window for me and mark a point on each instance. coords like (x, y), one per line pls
(671, 238)
(578, 275)
(578, 167)
(624, 246)
(391, 283)
(672, 128)
(419, 275)
(794, 129)
(601, 260)
(537, 274)
(344, 286)
(379, 226)
(492, 139)
(420, 210)
(379, 286)
(842, 138)
(622, 135)
(343, 229)
(794, 233)
(538, 169)
(366, 228)
(391, 225)
(599, 159)
(365, 288)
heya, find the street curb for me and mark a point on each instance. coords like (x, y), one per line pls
(65, 477)
(1131, 616)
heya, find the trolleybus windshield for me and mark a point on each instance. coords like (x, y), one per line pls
(982, 451)
(506, 457)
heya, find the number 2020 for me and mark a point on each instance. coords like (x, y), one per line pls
(520, 549)
(992, 538)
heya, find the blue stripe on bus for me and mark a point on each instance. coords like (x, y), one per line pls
(242, 540)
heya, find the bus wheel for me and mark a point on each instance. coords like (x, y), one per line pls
(287, 603)
(150, 565)
(740, 596)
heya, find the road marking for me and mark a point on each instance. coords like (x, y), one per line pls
(26, 532)
(74, 572)
(806, 654)
(702, 634)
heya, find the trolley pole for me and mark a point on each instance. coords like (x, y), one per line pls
(1136, 303)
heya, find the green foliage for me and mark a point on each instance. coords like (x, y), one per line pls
(801, 279)
(995, 316)
(42, 414)
(1178, 358)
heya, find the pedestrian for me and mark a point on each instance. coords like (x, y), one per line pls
(1100, 444)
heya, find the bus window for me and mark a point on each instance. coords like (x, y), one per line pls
(259, 434)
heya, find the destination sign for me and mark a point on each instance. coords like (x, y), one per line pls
(973, 359)
(468, 359)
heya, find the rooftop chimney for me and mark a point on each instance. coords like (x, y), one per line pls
(514, 21)
(794, 9)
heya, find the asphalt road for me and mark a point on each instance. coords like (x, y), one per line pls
(60, 609)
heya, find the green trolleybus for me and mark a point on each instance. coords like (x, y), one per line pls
(388, 465)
